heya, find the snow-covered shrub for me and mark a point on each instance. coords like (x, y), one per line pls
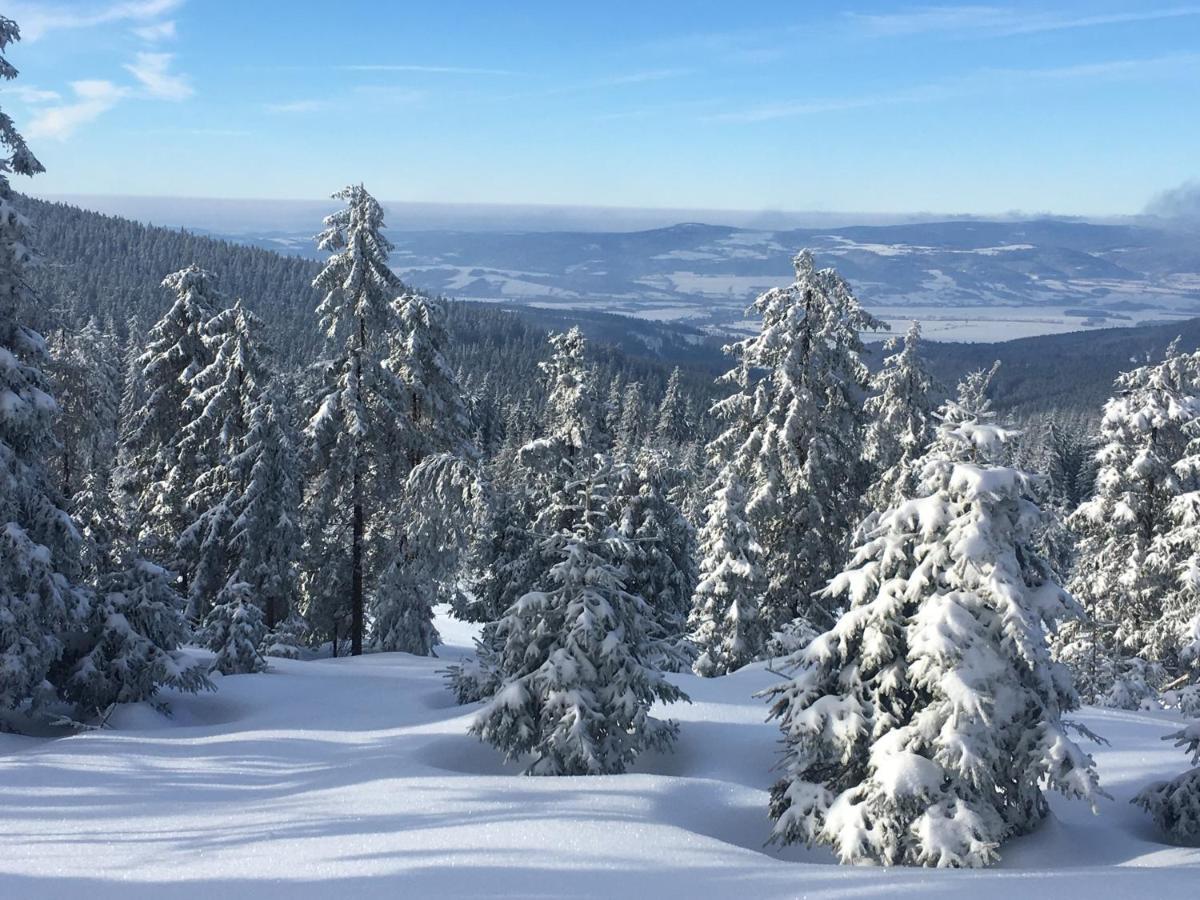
(1175, 805)
(287, 639)
(131, 646)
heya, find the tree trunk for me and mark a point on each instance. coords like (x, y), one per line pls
(356, 583)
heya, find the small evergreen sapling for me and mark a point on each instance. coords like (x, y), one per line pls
(575, 691)
(234, 630)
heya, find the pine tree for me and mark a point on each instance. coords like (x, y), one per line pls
(39, 546)
(921, 728)
(901, 425)
(725, 623)
(795, 434)
(575, 689)
(352, 435)
(234, 630)
(86, 384)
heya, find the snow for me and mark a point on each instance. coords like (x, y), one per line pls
(357, 777)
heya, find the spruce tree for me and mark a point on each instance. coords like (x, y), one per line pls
(673, 427)
(1127, 574)
(725, 623)
(575, 689)
(351, 437)
(158, 473)
(922, 727)
(795, 434)
(900, 421)
(234, 630)
(40, 601)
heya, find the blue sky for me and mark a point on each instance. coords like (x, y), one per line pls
(1079, 108)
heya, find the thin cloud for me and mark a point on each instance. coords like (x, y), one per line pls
(156, 32)
(29, 94)
(298, 106)
(999, 21)
(430, 70)
(981, 81)
(93, 98)
(38, 19)
(152, 72)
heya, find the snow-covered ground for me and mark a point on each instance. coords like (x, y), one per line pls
(356, 778)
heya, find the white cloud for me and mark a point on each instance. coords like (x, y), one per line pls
(156, 31)
(92, 99)
(38, 19)
(151, 70)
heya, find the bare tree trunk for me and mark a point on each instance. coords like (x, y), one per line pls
(356, 583)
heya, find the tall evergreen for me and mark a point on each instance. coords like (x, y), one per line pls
(352, 435)
(1127, 574)
(159, 471)
(40, 601)
(795, 434)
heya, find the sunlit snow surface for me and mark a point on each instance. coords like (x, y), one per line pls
(356, 778)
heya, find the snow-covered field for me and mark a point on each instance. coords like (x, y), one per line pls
(356, 778)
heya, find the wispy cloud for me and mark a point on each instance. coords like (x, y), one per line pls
(156, 31)
(967, 20)
(298, 106)
(981, 81)
(93, 98)
(29, 94)
(38, 19)
(152, 70)
(428, 70)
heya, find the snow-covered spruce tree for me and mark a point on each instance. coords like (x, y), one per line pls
(247, 527)
(352, 436)
(1126, 575)
(725, 624)
(157, 474)
(797, 434)
(430, 523)
(575, 689)
(130, 648)
(86, 380)
(266, 535)
(673, 427)
(218, 413)
(900, 421)
(287, 639)
(39, 546)
(661, 567)
(631, 429)
(441, 497)
(1175, 805)
(234, 630)
(921, 728)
